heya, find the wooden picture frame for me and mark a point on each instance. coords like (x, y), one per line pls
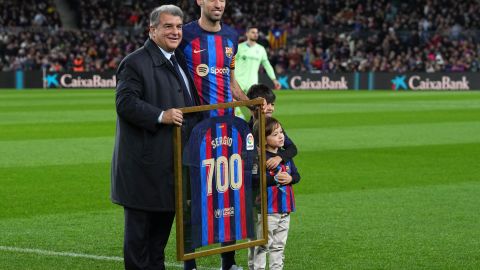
(179, 184)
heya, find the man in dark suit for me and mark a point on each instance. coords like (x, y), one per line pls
(152, 83)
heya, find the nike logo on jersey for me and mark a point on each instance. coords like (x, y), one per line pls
(198, 51)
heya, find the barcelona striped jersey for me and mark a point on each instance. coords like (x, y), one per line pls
(220, 154)
(280, 199)
(210, 59)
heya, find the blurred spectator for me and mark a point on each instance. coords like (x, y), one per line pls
(25, 13)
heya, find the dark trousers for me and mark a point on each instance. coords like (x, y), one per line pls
(228, 259)
(146, 235)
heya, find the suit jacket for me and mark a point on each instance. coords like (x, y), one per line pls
(142, 175)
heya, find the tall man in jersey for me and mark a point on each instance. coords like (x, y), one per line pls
(210, 47)
(248, 59)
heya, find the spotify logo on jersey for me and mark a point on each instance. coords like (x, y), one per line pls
(202, 70)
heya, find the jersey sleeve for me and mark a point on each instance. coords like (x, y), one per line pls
(294, 172)
(191, 149)
(232, 64)
(220, 153)
(234, 38)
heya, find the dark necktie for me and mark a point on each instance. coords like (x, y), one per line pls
(186, 94)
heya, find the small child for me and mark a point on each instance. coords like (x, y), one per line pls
(289, 150)
(280, 198)
(263, 91)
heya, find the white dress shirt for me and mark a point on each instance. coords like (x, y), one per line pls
(184, 76)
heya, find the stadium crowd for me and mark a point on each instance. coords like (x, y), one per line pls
(323, 35)
(29, 13)
(60, 50)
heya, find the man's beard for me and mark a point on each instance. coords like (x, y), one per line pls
(214, 19)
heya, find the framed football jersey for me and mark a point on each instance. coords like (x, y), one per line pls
(217, 202)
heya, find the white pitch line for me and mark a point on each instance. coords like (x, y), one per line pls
(79, 255)
(64, 254)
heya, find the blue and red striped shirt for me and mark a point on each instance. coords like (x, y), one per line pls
(220, 154)
(210, 59)
(280, 199)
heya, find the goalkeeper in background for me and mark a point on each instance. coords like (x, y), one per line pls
(249, 56)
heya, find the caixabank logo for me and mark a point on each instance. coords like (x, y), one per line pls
(423, 83)
(322, 83)
(398, 83)
(51, 80)
(283, 81)
(313, 83)
(79, 80)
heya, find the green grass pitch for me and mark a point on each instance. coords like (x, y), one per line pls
(390, 180)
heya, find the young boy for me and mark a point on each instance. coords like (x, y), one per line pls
(280, 199)
(289, 148)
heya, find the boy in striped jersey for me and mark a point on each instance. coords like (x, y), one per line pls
(280, 199)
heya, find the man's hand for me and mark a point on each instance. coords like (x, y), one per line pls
(284, 178)
(237, 92)
(273, 162)
(172, 117)
(276, 84)
(264, 106)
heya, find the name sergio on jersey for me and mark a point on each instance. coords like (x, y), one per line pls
(225, 140)
(203, 70)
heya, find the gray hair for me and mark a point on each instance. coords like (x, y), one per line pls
(169, 9)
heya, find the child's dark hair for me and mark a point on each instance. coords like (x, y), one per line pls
(263, 91)
(270, 125)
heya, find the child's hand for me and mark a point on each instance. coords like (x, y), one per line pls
(284, 178)
(273, 162)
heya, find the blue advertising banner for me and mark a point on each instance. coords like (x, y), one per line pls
(421, 81)
(8, 80)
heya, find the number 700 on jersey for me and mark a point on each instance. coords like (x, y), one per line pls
(228, 172)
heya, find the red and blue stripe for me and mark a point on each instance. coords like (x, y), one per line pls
(215, 224)
(279, 201)
(213, 88)
(239, 195)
